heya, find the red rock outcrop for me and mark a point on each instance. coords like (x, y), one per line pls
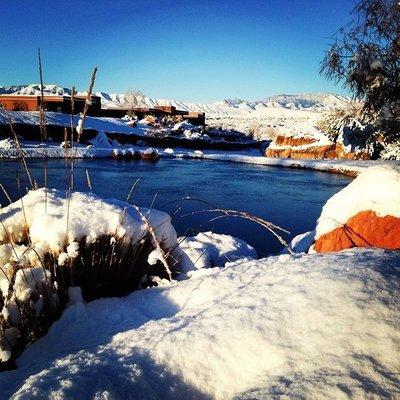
(293, 141)
(365, 229)
(308, 148)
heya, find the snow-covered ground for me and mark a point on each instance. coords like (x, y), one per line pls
(310, 326)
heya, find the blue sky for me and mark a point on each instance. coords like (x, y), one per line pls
(187, 50)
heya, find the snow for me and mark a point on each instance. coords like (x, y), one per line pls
(28, 280)
(318, 326)
(75, 295)
(101, 140)
(169, 151)
(7, 144)
(55, 118)
(184, 125)
(376, 189)
(391, 151)
(301, 243)
(150, 151)
(45, 212)
(208, 250)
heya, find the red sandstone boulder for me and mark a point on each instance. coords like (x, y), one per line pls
(365, 229)
(366, 213)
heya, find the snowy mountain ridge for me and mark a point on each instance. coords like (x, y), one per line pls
(311, 102)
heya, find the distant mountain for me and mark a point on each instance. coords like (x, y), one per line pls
(317, 102)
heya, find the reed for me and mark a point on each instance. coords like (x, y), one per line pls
(43, 131)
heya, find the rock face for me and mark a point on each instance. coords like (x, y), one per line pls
(311, 148)
(366, 229)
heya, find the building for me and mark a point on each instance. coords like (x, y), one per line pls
(52, 103)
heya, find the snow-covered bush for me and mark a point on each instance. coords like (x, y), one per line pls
(351, 115)
(365, 56)
(391, 151)
(50, 244)
(353, 128)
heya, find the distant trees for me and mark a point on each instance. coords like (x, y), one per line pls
(365, 55)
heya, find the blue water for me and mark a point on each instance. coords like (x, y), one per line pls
(290, 198)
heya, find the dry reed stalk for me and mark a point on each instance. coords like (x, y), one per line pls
(88, 102)
(43, 132)
(10, 240)
(72, 114)
(156, 243)
(272, 228)
(5, 193)
(71, 184)
(19, 150)
(89, 182)
(45, 187)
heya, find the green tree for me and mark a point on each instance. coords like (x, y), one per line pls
(365, 56)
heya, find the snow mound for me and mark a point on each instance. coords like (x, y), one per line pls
(376, 189)
(44, 214)
(184, 125)
(7, 144)
(208, 250)
(313, 327)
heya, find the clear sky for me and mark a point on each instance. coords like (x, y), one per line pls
(186, 50)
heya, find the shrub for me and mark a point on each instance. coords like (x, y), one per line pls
(109, 249)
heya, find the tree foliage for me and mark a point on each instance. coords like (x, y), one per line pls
(365, 55)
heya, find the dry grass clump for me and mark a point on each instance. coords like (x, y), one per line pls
(38, 288)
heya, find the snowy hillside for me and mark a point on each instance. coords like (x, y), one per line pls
(224, 107)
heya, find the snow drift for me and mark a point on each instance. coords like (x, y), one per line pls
(312, 326)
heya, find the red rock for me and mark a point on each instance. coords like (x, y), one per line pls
(290, 149)
(293, 141)
(365, 229)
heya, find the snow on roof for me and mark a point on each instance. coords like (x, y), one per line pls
(376, 189)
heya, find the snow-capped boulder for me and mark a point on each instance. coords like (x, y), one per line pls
(366, 213)
(150, 154)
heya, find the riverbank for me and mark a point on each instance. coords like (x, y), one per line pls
(346, 167)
